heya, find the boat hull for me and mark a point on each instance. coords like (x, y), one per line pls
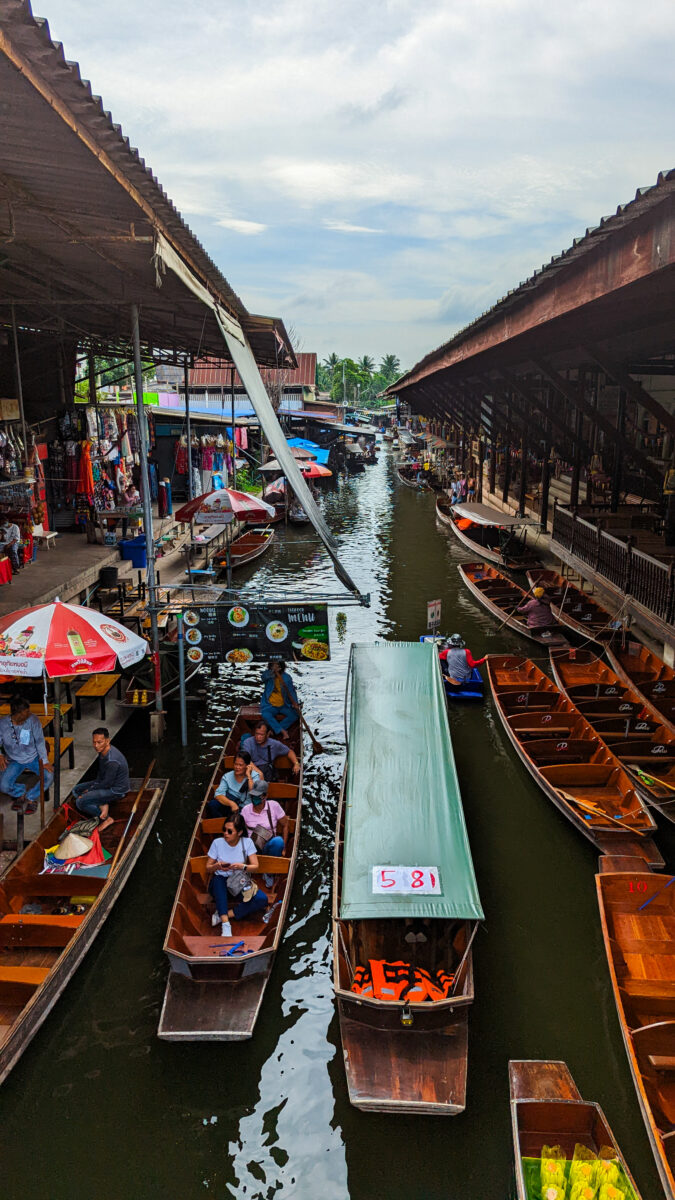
(478, 576)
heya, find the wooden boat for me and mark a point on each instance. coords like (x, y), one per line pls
(547, 1110)
(648, 675)
(42, 950)
(401, 1054)
(408, 477)
(210, 997)
(490, 533)
(245, 548)
(569, 762)
(638, 926)
(633, 729)
(502, 597)
(473, 688)
(576, 608)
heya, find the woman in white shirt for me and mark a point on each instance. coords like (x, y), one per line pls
(234, 851)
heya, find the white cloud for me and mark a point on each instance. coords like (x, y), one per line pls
(345, 227)
(239, 226)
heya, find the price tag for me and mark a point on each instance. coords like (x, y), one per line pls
(422, 881)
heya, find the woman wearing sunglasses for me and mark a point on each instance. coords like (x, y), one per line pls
(234, 851)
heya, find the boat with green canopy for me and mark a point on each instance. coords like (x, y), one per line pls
(405, 899)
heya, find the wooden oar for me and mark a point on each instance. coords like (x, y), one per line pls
(513, 610)
(316, 744)
(593, 808)
(648, 779)
(142, 788)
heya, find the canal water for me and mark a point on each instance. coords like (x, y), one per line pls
(99, 1109)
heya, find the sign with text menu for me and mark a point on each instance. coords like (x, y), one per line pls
(250, 633)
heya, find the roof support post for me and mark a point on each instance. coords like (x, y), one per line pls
(19, 383)
(545, 468)
(188, 430)
(492, 468)
(147, 501)
(576, 463)
(617, 466)
(507, 452)
(523, 475)
(632, 387)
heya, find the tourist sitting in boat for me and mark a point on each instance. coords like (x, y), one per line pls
(23, 749)
(279, 704)
(233, 790)
(111, 783)
(264, 750)
(266, 821)
(457, 662)
(228, 855)
(537, 610)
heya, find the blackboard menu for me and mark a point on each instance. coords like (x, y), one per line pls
(248, 633)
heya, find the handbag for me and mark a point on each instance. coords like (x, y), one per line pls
(239, 883)
(261, 835)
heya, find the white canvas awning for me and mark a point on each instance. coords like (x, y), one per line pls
(482, 514)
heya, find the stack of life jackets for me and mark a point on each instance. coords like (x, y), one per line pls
(400, 981)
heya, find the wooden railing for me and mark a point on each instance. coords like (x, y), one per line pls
(650, 582)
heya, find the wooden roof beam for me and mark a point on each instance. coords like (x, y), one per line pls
(517, 385)
(632, 387)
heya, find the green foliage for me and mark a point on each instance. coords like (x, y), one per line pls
(245, 482)
(362, 382)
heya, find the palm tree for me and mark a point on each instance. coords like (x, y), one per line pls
(331, 362)
(390, 366)
(367, 364)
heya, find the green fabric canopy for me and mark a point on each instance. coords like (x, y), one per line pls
(403, 806)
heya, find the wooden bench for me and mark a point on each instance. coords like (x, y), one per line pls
(17, 984)
(67, 747)
(98, 687)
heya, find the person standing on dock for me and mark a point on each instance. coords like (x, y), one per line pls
(111, 783)
(279, 704)
(24, 748)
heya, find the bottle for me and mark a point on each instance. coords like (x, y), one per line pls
(134, 696)
(144, 697)
(76, 644)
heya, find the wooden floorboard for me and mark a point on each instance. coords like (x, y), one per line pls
(210, 1011)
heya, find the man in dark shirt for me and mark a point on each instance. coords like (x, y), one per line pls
(264, 750)
(111, 783)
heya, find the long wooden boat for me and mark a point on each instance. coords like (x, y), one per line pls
(490, 533)
(43, 939)
(297, 515)
(569, 762)
(249, 545)
(638, 926)
(547, 1110)
(402, 1053)
(576, 608)
(409, 477)
(633, 729)
(502, 597)
(209, 996)
(649, 675)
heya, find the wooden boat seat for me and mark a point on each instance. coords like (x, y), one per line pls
(609, 706)
(17, 984)
(210, 946)
(35, 929)
(545, 751)
(594, 691)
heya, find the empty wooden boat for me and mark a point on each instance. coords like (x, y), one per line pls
(569, 762)
(216, 985)
(44, 935)
(444, 509)
(649, 675)
(502, 597)
(637, 911)
(633, 729)
(405, 900)
(547, 1110)
(491, 534)
(576, 608)
(245, 548)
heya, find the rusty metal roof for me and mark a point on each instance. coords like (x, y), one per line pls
(212, 372)
(79, 210)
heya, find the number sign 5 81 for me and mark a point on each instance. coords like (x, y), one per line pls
(406, 880)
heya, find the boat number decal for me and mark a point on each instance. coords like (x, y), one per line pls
(642, 725)
(640, 886)
(624, 708)
(588, 617)
(658, 749)
(659, 687)
(407, 880)
(611, 691)
(561, 746)
(545, 720)
(522, 699)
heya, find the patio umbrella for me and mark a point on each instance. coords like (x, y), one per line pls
(278, 488)
(315, 471)
(301, 452)
(64, 639)
(220, 507)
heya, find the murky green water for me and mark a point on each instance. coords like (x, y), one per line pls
(99, 1108)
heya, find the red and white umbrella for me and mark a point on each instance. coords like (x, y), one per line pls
(315, 471)
(220, 507)
(65, 639)
(277, 488)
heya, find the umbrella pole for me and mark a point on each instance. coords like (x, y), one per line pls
(228, 560)
(42, 795)
(181, 678)
(57, 743)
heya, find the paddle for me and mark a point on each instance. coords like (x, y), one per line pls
(142, 788)
(648, 778)
(593, 808)
(509, 615)
(316, 744)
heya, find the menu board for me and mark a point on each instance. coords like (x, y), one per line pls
(243, 634)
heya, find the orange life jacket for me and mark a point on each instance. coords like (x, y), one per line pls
(382, 980)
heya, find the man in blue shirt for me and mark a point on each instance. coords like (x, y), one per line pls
(23, 746)
(111, 783)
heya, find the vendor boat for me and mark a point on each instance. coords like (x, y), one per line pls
(633, 729)
(472, 688)
(216, 985)
(547, 1110)
(44, 934)
(245, 548)
(637, 912)
(297, 514)
(493, 534)
(575, 608)
(502, 597)
(408, 476)
(570, 763)
(648, 675)
(402, 934)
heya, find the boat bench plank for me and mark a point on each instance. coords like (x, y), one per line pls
(423, 1073)
(535, 1080)
(210, 947)
(210, 1011)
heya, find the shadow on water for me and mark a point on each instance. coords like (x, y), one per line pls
(99, 1107)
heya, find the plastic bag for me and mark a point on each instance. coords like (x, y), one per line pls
(552, 1192)
(552, 1170)
(606, 1168)
(609, 1192)
(582, 1170)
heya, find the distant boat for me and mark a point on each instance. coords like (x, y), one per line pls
(488, 532)
(502, 597)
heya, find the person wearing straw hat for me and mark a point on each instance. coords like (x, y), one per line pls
(537, 610)
(23, 749)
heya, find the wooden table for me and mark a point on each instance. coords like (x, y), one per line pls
(45, 719)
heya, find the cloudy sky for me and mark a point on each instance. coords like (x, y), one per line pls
(379, 172)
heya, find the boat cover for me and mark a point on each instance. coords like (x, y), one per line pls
(403, 805)
(482, 514)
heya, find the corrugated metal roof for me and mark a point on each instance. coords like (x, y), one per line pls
(214, 372)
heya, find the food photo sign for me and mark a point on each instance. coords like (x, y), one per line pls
(248, 633)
